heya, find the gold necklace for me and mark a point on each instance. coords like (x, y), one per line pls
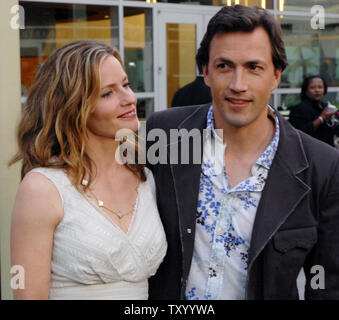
(101, 204)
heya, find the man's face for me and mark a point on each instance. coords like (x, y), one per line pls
(241, 76)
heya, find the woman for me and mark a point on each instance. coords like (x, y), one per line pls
(311, 115)
(84, 226)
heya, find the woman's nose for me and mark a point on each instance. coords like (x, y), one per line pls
(129, 97)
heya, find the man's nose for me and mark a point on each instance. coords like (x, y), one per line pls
(239, 81)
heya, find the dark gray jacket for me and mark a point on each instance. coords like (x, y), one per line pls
(296, 225)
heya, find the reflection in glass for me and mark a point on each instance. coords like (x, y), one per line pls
(181, 49)
(138, 46)
(145, 108)
(50, 26)
(310, 51)
(268, 4)
(334, 98)
(330, 6)
(286, 101)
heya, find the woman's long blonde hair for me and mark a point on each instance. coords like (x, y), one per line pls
(54, 119)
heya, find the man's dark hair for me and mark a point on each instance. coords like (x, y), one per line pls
(245, 19)
(306, 83)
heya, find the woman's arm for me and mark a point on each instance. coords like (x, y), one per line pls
(36, 213)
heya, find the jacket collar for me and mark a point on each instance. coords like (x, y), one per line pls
(284, 189)
(186, 179)
(197, 119)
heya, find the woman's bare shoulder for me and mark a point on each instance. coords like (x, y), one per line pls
(38, 198)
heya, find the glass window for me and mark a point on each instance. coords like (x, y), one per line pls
(310, 51)
(268, 4)
(333, 97)
(145, 107)
(138, 48)
(181, 49)
(330, 6)
(287, 100)
(49, 26)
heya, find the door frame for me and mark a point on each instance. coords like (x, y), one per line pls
(184, 15)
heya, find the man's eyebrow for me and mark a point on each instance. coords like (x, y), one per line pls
(247, 63)
(223, 60)
(251, 62)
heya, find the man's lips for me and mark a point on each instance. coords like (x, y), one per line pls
(237, 102)
(128, 114)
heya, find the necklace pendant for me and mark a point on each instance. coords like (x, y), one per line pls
(100, 203)
(120, 214)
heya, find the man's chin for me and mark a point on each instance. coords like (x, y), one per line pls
(237, 122)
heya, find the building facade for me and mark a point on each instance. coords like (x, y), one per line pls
(158, 41)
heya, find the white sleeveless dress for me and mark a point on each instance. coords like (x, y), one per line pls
(94, 259)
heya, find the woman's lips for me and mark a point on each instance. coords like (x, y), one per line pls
(128, 115)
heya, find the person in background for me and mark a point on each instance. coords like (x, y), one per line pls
(311, 115)
(85, 225)
(193, 93)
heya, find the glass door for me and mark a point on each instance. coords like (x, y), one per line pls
(179, 38)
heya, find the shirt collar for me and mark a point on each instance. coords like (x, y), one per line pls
(266, 158)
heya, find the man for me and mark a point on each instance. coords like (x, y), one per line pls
(246, 231)
(193, 93)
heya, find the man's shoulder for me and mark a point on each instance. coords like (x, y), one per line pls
(318, 151)
(315, 150)
(173, 117)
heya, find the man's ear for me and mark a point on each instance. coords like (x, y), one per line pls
(205, 73)
(276, 81)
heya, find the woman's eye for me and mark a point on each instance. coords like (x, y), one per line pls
(107, 94)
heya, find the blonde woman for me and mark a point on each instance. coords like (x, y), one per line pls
(84, 226)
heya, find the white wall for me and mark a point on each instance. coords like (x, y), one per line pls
(10, 108)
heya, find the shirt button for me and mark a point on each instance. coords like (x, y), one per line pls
(189, 230)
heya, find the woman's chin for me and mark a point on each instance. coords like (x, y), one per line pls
(130, 126)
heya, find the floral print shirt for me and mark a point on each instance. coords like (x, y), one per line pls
(224, 221)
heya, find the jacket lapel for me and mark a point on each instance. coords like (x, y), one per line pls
(186, 184)
(283, 189)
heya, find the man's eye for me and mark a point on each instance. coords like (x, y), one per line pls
(254, 67)
(127, 84)
(222, 65)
